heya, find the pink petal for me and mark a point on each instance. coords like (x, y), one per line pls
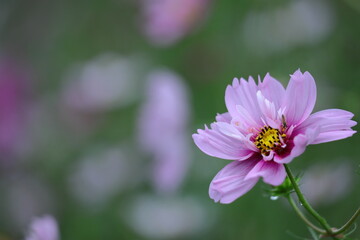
(269, 111)
(243, 94)
(229, 184)
(333, 136)
(246, 118)
(272, 172)
(224, 117)
(232, 132)
(298, 145)
(240, 124)
(300, 98)
(272, 90)
(333, 124)
(216, 144)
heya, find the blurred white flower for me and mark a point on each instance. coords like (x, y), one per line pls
(43, 228)
(167, 218)
(296, 24)
(106, 82)
(162, 129)
(25, 197)
(100, 175)
(167, 21)
(325, 184)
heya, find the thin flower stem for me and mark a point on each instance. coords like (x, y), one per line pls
(302, 216)
(349, 223)
(306, 205)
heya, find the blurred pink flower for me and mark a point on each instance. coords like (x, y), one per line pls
(13, 90)
(103, 83)
(162, 128)
(265, 127)
(176, 218)
(43, 228)
(325, 183)
(103, 173)
(291, 25)
(166, 21)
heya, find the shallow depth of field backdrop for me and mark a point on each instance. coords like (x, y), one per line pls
(81, 94)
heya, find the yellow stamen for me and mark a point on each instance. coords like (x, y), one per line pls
(268, 139)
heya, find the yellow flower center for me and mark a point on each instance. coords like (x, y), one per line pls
(269, 139)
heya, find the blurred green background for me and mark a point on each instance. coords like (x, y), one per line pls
(47, 171)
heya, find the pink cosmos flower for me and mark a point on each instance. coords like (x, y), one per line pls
(43, 228)
(265, 127)
(166, 21)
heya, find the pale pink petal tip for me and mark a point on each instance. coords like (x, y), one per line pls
(225, 117)
(300, 98)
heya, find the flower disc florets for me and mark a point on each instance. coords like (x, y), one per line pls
(270, 139)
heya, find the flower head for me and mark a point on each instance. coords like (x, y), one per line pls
(265, 127)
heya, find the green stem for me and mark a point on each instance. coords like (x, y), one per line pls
(349, 223)
(302, 216)
(306, 205)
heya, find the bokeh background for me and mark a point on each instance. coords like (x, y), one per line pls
(98, 101)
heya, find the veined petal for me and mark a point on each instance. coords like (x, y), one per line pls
(300, 98)
(248, 121)
(229, 184)
(224, 117)
(267, 107)
(216, 144)
(242, 93)
(232, 97)
(239, 124)
(232, 132)
(333, 124)
(333, 136)
(272, 90)
(271, 172)
(268, 110)
(298, 145)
